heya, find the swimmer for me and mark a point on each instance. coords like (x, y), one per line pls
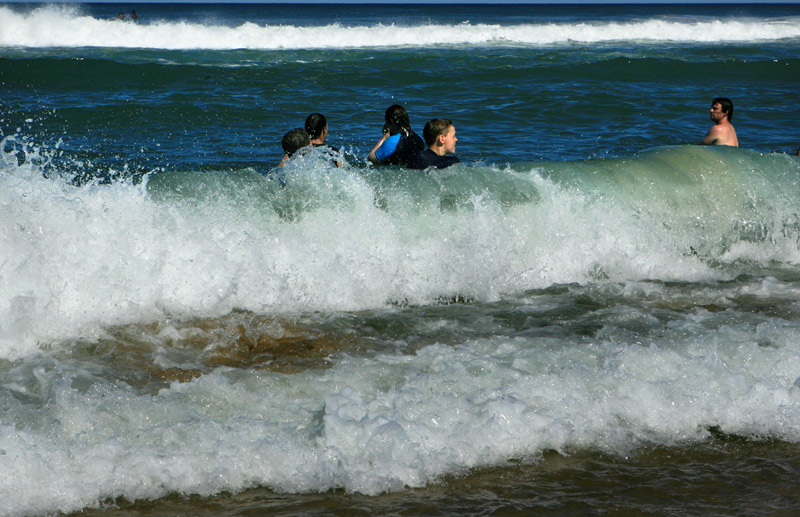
(399, 144)
(440, 136)
(317, 129)
(722, 132)
(292, 142)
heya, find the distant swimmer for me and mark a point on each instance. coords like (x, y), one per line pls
(399, 144)
(134, 16)
(292, 142)
(722, 132)
(317, 129)
(440, 136)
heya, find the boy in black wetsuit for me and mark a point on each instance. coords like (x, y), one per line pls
(440, 136)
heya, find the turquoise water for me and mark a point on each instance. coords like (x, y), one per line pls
(589, 314)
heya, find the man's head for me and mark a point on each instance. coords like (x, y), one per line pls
(721, 107)
(294, 140)
(440, 134)
(317, 127)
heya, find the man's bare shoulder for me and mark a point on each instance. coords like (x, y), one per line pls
(713, 135)
(721, 134)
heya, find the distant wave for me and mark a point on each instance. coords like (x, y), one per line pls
(59, 26)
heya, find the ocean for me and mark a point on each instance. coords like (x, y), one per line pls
(590, 314)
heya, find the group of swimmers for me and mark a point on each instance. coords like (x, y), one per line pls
(133, 16)
(399, 144)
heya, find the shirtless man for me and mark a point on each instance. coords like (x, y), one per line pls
(722, 132)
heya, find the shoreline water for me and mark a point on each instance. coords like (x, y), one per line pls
(662, 481)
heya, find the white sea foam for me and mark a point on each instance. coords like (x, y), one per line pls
(63, 27)
(389, 422)
(75, 260)
(78, 260)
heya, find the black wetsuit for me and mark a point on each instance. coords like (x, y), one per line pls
(408, 147)
(428, 158)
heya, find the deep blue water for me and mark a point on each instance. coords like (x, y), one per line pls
(218, 85)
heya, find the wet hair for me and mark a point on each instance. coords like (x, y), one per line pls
(397, 118)
(315, 125)
(295, 139)
(434, 128)
(726, 104)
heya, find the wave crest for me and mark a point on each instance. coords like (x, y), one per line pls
(58, 26)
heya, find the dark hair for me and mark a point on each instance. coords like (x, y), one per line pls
(315, 124)
(397, 118)
(434, 128)
(295, 139)
(726, 104)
